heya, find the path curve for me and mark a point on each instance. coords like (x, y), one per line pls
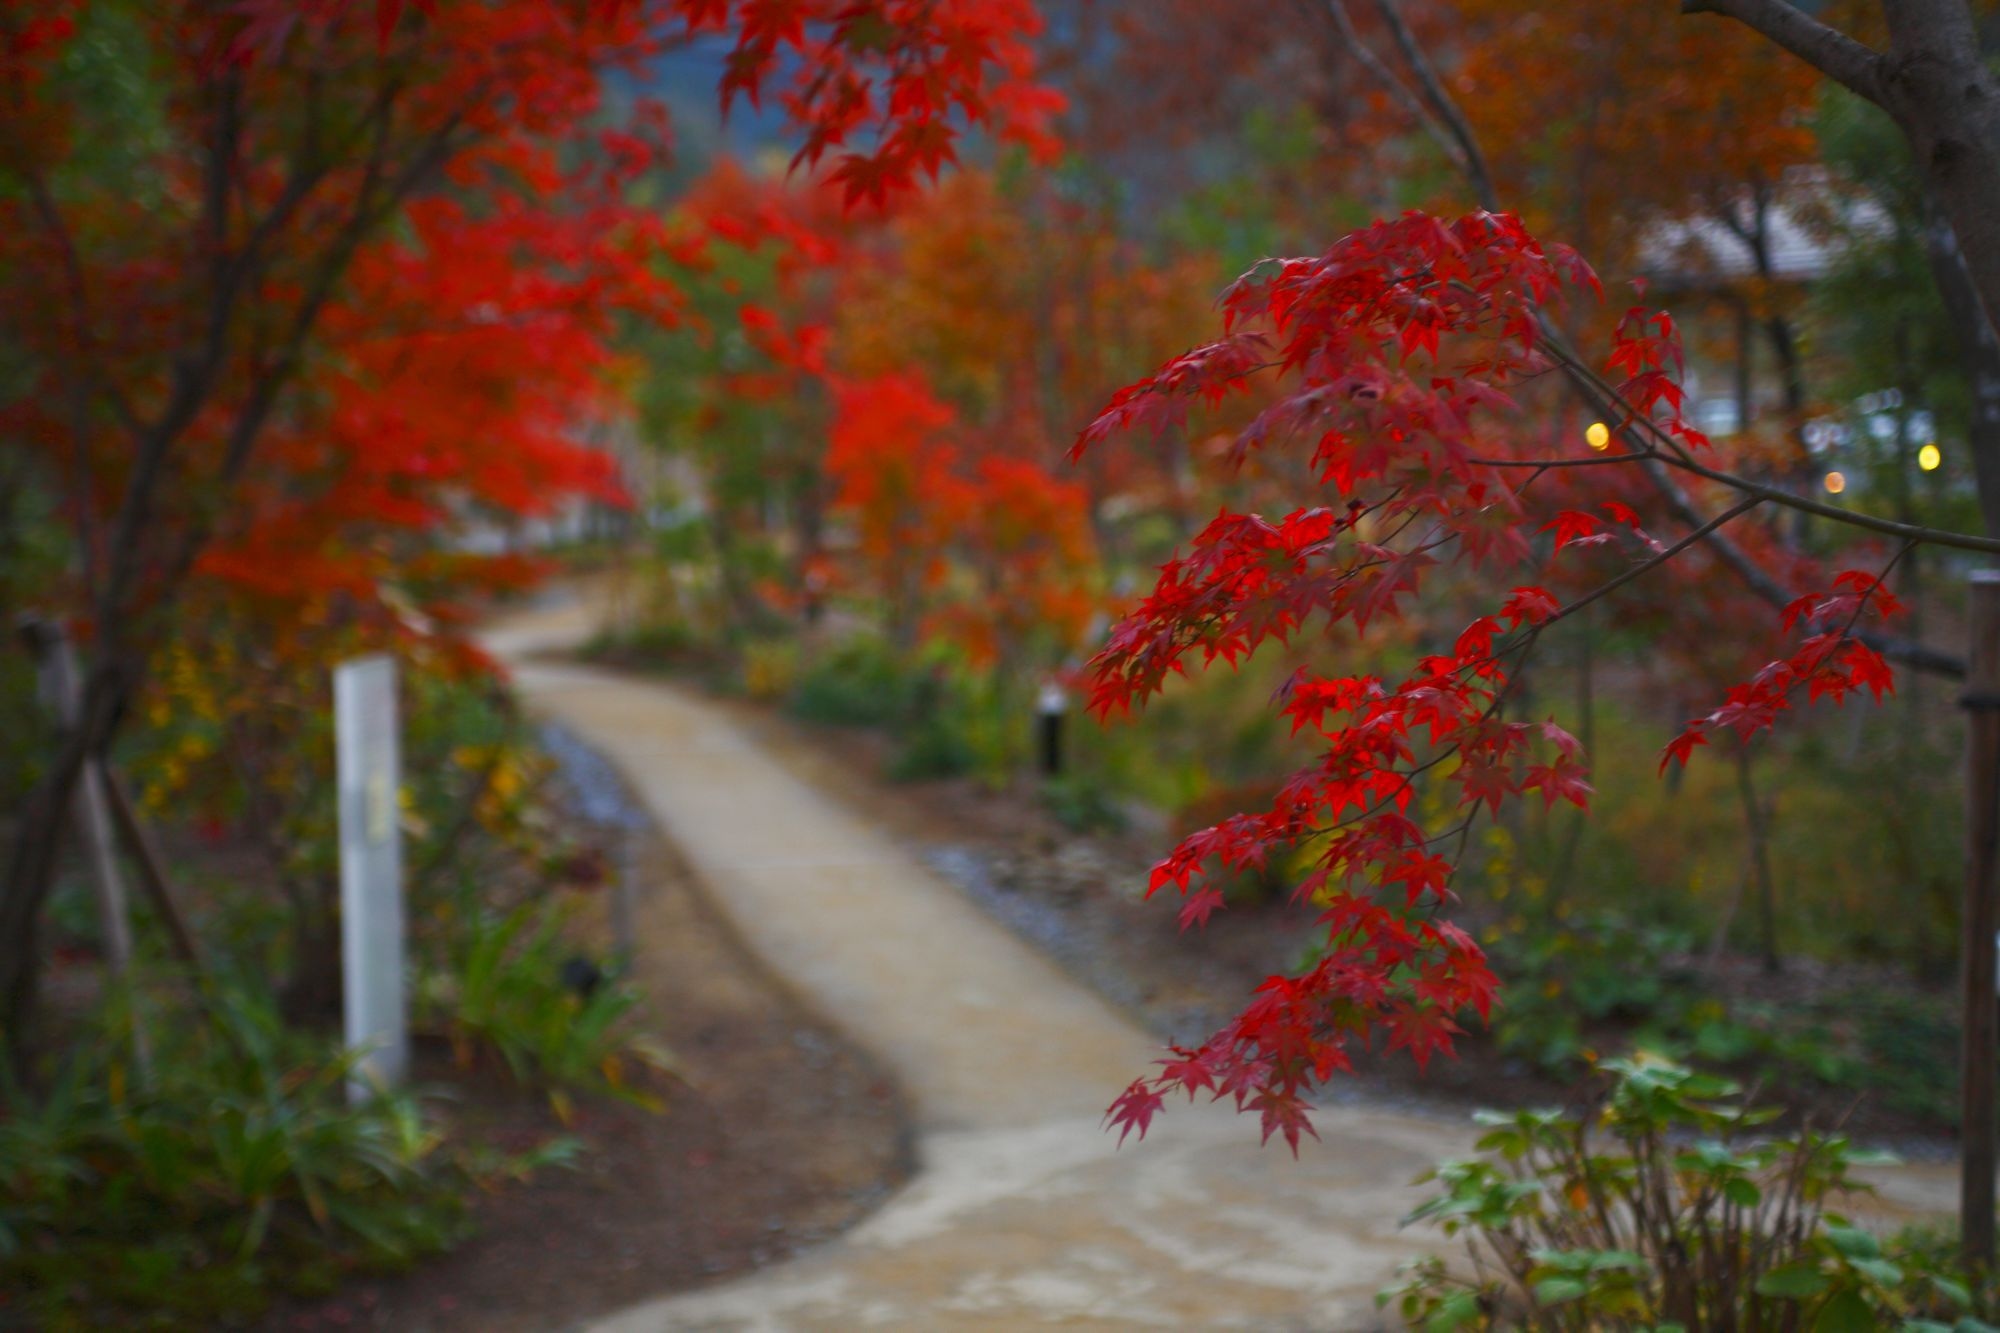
(1023, 1213)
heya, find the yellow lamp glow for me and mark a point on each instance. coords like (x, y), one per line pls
(1929, 457)
(1835, 483)
(1598, 435)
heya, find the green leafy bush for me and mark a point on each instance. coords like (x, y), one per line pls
(235, 1168)
(936, 746)
(1660, 1207)
(1586, 976)
(1081, 804)
(506, 994)
(1564, 975)
(858, 683)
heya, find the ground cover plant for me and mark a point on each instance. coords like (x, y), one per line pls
(180, 1146)
(1664, 1204)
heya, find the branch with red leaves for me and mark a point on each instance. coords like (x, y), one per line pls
(1393, 360)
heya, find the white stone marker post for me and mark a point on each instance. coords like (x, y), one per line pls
(371, 872)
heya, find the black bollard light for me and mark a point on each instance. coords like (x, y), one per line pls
(1049, 710)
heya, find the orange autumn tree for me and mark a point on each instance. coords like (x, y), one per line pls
(944, 494)
(176, 266)
(1027, 544)
(893, 471)
(1023, 308)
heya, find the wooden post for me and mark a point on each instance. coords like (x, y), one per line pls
(61, 688)
(1981, 1013)
(152, 870)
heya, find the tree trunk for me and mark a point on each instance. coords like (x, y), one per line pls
(1756, 827)
(1979, 354)
(1934, 80)
(1937, 85)
(31, 861)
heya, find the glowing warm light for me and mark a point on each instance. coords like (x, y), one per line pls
(1929, 457)
(1599, 435)
(1835, 483)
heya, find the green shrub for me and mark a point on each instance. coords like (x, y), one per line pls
(1660, 1207)
(1571, 979)
(936, 746)
(505, 993)
(653, 643)
(858, 683)
(1081, 804)
(235, 1169)
(1565, 974)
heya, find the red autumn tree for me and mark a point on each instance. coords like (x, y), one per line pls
(195, 356)
(893, 469)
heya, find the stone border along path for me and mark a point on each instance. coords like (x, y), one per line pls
(1024, 1212)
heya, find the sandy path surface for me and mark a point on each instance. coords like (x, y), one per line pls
(1024, 1213)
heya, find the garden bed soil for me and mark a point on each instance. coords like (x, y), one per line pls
(783, 1134)
(1080, 898)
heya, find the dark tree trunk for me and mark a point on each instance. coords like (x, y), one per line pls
(31, 861)
(1979, 354)
(311, 993)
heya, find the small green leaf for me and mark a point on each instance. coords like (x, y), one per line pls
(1454, 1312)
(1952, 1290)
(1742, 1192)
(1793, 1282)
(1879, 1271)
(1847, 1312)
(1556, 1290)
(1853, 1241)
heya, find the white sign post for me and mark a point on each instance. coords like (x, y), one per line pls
(371, 872)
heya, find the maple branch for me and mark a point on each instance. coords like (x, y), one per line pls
(1853, 65)
(1447, 108)
(1654, 561)
(1350, 37)
(1606, 399)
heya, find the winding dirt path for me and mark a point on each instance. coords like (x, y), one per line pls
(1024, 1212)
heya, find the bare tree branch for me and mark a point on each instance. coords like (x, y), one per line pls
(1474, 158)
(1349, 37)
(1832, 52)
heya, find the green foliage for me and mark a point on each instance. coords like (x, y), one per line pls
(946, 725)
(1567, 975)
(857, 683)
(658, 643)
(237, 1170)
(1880, 889)
(935, 746)
(234, 1170)
(1574, 980)
(1661, 1207)
(505, 995)
(1081, 804)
